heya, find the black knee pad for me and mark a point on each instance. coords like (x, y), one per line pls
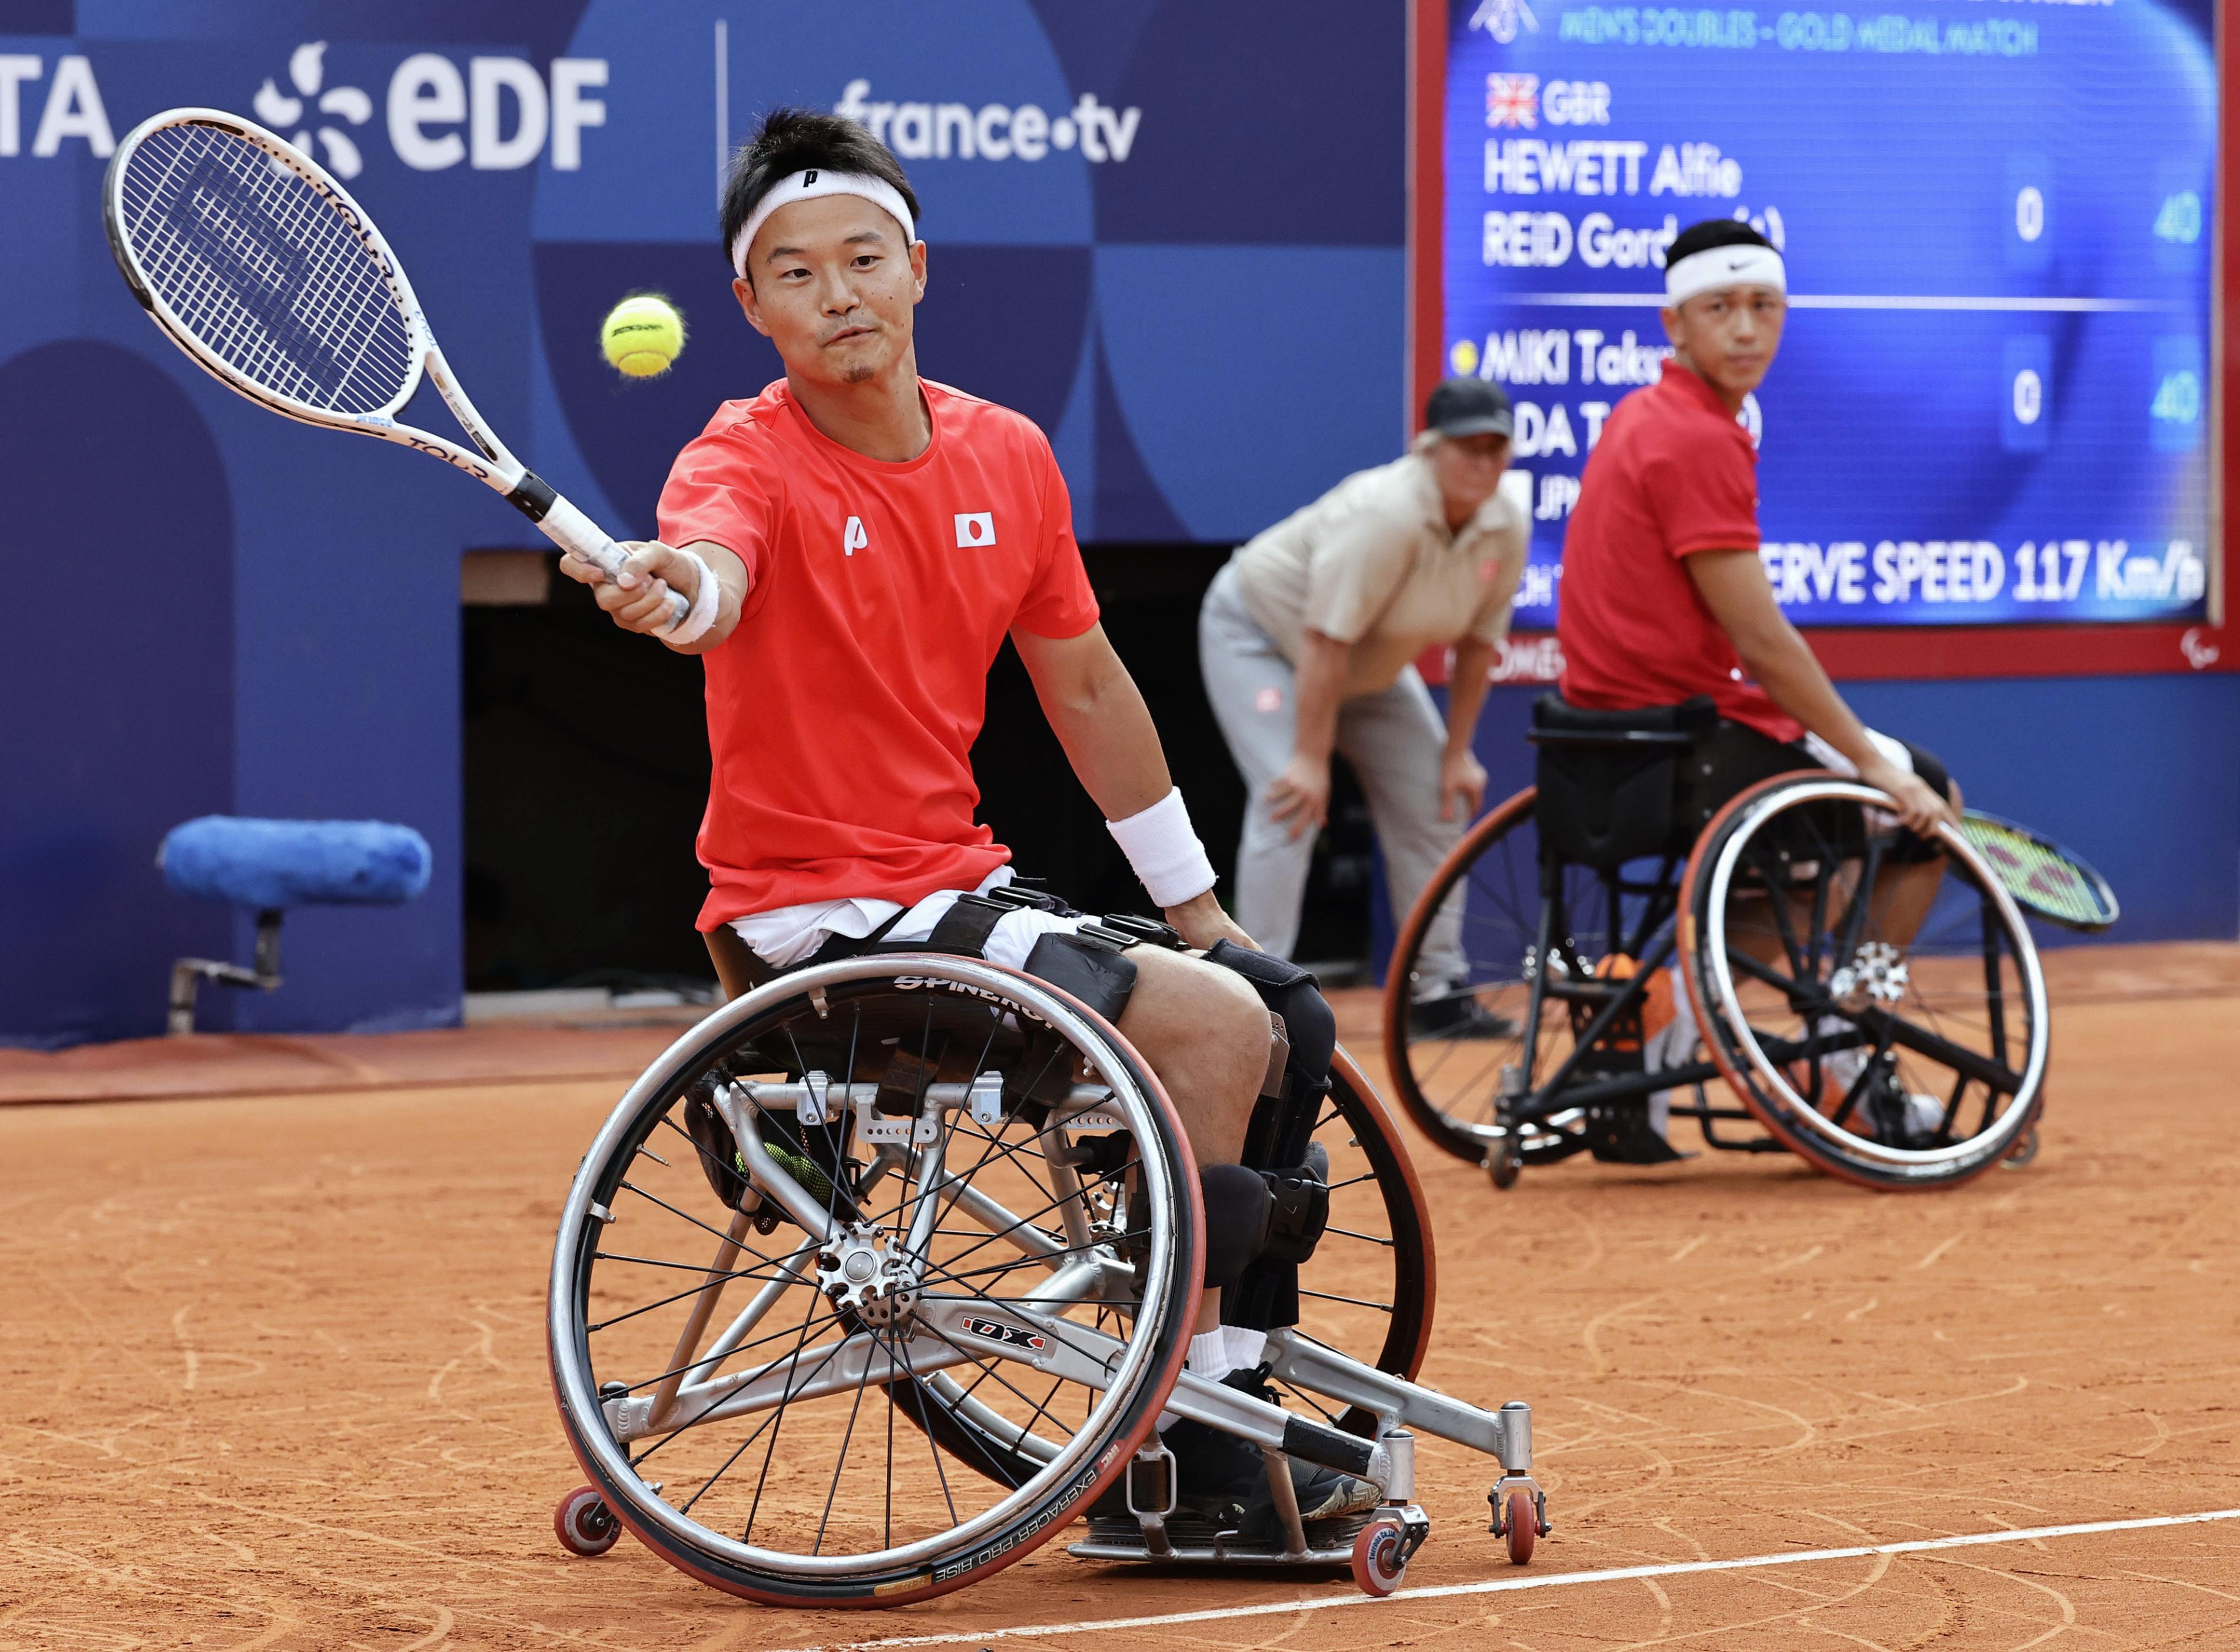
(1294, 994)
(1239, 1206)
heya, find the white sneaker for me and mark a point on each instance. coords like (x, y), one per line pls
(1925, 1115)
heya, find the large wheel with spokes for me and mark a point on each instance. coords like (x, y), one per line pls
(1460, 986)
(1886, 1020)
(897, 1191)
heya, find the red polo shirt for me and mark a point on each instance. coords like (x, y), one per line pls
(841, 711)
(1674, 474)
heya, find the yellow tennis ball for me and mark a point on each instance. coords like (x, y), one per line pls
(642, 335)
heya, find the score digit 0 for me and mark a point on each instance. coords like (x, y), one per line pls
(2029, 212)
(2029, 396)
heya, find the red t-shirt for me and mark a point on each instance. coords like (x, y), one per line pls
(841, 711)
(1674, 474)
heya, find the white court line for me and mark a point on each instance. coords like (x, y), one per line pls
(1550, 1579)
(1860, 301)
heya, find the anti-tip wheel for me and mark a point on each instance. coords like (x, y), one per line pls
(1506, 1160)
(1523, 1527)
(584, 1524)
(1380, 1557)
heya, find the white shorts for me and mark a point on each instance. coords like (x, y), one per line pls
(791, 934)
(1836, 763)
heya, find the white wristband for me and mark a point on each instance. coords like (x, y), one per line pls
(707, 596)
(1160, 844)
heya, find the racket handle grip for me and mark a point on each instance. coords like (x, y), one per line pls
(576, 533)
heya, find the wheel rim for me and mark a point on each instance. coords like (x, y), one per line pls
(1918, 994)
(616, 1175)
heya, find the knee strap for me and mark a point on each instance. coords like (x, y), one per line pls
(1298, 1210)
(1266, 1294)
(1294, 994)
(1238, 1207)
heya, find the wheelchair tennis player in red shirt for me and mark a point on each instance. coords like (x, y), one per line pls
(1664, 597)
(856, 543)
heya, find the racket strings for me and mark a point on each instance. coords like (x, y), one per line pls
(2035, 874)
(267, 273)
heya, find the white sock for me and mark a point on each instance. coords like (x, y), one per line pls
(1215, 1353)
(1839, 1067)
(1245, 1347)
(1209, 1355)
(1673, 1045)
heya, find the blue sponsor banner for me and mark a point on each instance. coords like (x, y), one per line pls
(1171, 234)
(1991, 402)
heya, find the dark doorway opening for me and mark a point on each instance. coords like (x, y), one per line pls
(586, 774)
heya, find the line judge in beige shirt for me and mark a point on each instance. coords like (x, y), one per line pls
(1307, 639)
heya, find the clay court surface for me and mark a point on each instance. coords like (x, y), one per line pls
(278, 1375)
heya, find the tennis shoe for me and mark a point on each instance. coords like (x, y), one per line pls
(1221, 1481)
(1899, 1117)
(1455, 1012)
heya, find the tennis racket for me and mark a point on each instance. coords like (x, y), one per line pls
(2044, 877)
(275, 282)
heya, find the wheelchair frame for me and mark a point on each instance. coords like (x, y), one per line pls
(1550, 1106)
(1573, 1108)
(889, 1274)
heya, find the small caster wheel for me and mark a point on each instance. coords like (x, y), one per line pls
(2024, 1150)
(584, 1524)
(1505, 1161)
(1524, 1528)
(1380, 1557)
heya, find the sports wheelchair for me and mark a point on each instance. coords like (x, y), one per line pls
(1887, 1055)
(958, 1237)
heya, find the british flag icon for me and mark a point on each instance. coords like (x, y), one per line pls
(1512, 100)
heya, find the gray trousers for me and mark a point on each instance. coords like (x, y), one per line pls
(1393, 739)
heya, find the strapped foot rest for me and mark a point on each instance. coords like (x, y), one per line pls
(1199, 1542)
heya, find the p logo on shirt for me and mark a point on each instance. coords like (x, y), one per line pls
(974, 528)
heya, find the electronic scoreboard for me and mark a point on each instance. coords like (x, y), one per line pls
(1993, 402)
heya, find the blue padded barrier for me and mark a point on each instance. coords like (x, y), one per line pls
(270, 864)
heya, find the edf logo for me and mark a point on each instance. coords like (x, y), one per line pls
(503, 103)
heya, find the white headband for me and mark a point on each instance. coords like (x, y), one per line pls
(807, 186)
(1744, 263)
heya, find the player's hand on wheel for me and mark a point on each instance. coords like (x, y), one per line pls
(1918, 806)
(1462, 783)
(1299, 797)
(637, 597)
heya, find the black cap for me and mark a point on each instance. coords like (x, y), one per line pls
(1469, 407)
